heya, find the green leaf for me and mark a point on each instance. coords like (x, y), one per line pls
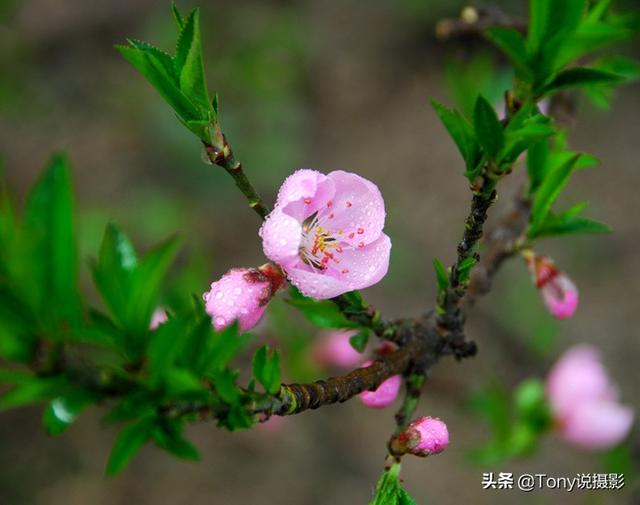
(537, 164)
(442, 276)
(549, 190)
(323, 313)
(266, 369)
(169, 437)
(145, 284)
(189, 65)
(513, 45)
(129, 442)
(154, 70)
(568, 222)
(177, 16)
(113, 272)
(549, 18)
(49, 226)
(36, 390)
(580, 76)
(389, 491)
(359, 340)
(487, 126)
(64, 410)
(464, 269)
(461, 132)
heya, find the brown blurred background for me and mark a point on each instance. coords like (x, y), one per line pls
(319, 84)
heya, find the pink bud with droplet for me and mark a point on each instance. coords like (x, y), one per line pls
(334, 349)
(422, 437)
(559, 293)
(242, 295)
(384, 395)
(158, 317)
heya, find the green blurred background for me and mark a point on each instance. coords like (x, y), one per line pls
(318, 84)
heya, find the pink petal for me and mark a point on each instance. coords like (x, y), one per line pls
(386, 393)
(578, 377)
(335, 349)
(304, 192)
(363, 267)
(281, 236)
(597, 425)
(358, 208)
(159, 317)
(316, 284)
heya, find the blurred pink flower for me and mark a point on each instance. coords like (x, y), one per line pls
(385, 395)
(333, 349)
(584, 401)
(158, 317)
(326, 233)
(558, 291)
(242, 294)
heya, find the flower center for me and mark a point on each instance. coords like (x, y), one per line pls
(319, 245)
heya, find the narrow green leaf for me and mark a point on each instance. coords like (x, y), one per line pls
(487, 126)
(128, 443)
(580, 76)
(177, 16)
(145, 284)
(442, 276)
(64, 410)
(113, 271)
(389, 491)
(35, 391)
(513, 45)
(189, 64)
(549, 190)
(266, 369)
(464, 269)
(154, 70)
(49, 226)
(170, 439)
(537, 164)
(460, 131)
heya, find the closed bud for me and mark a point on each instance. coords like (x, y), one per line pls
(559, 293)
(242, 295)
(423, 437)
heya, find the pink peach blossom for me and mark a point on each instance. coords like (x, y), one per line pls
(334, 349)
(242, 294)
(559, 293)
(584, 401)
(385, 395)
(326, 233)
(158, 317)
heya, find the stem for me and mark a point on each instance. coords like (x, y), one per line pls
(224, 158)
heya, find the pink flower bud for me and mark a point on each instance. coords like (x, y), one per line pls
(326, 233)
(423, 437)
(559, 293)
(386, 393)
(334, 349)
(158, 317)
(584, 401)
(242, 294)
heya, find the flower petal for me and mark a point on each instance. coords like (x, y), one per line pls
(362, 267)
(304, 192)
(598, 425)
(358, 208)
(281, 235)
(317, 285)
